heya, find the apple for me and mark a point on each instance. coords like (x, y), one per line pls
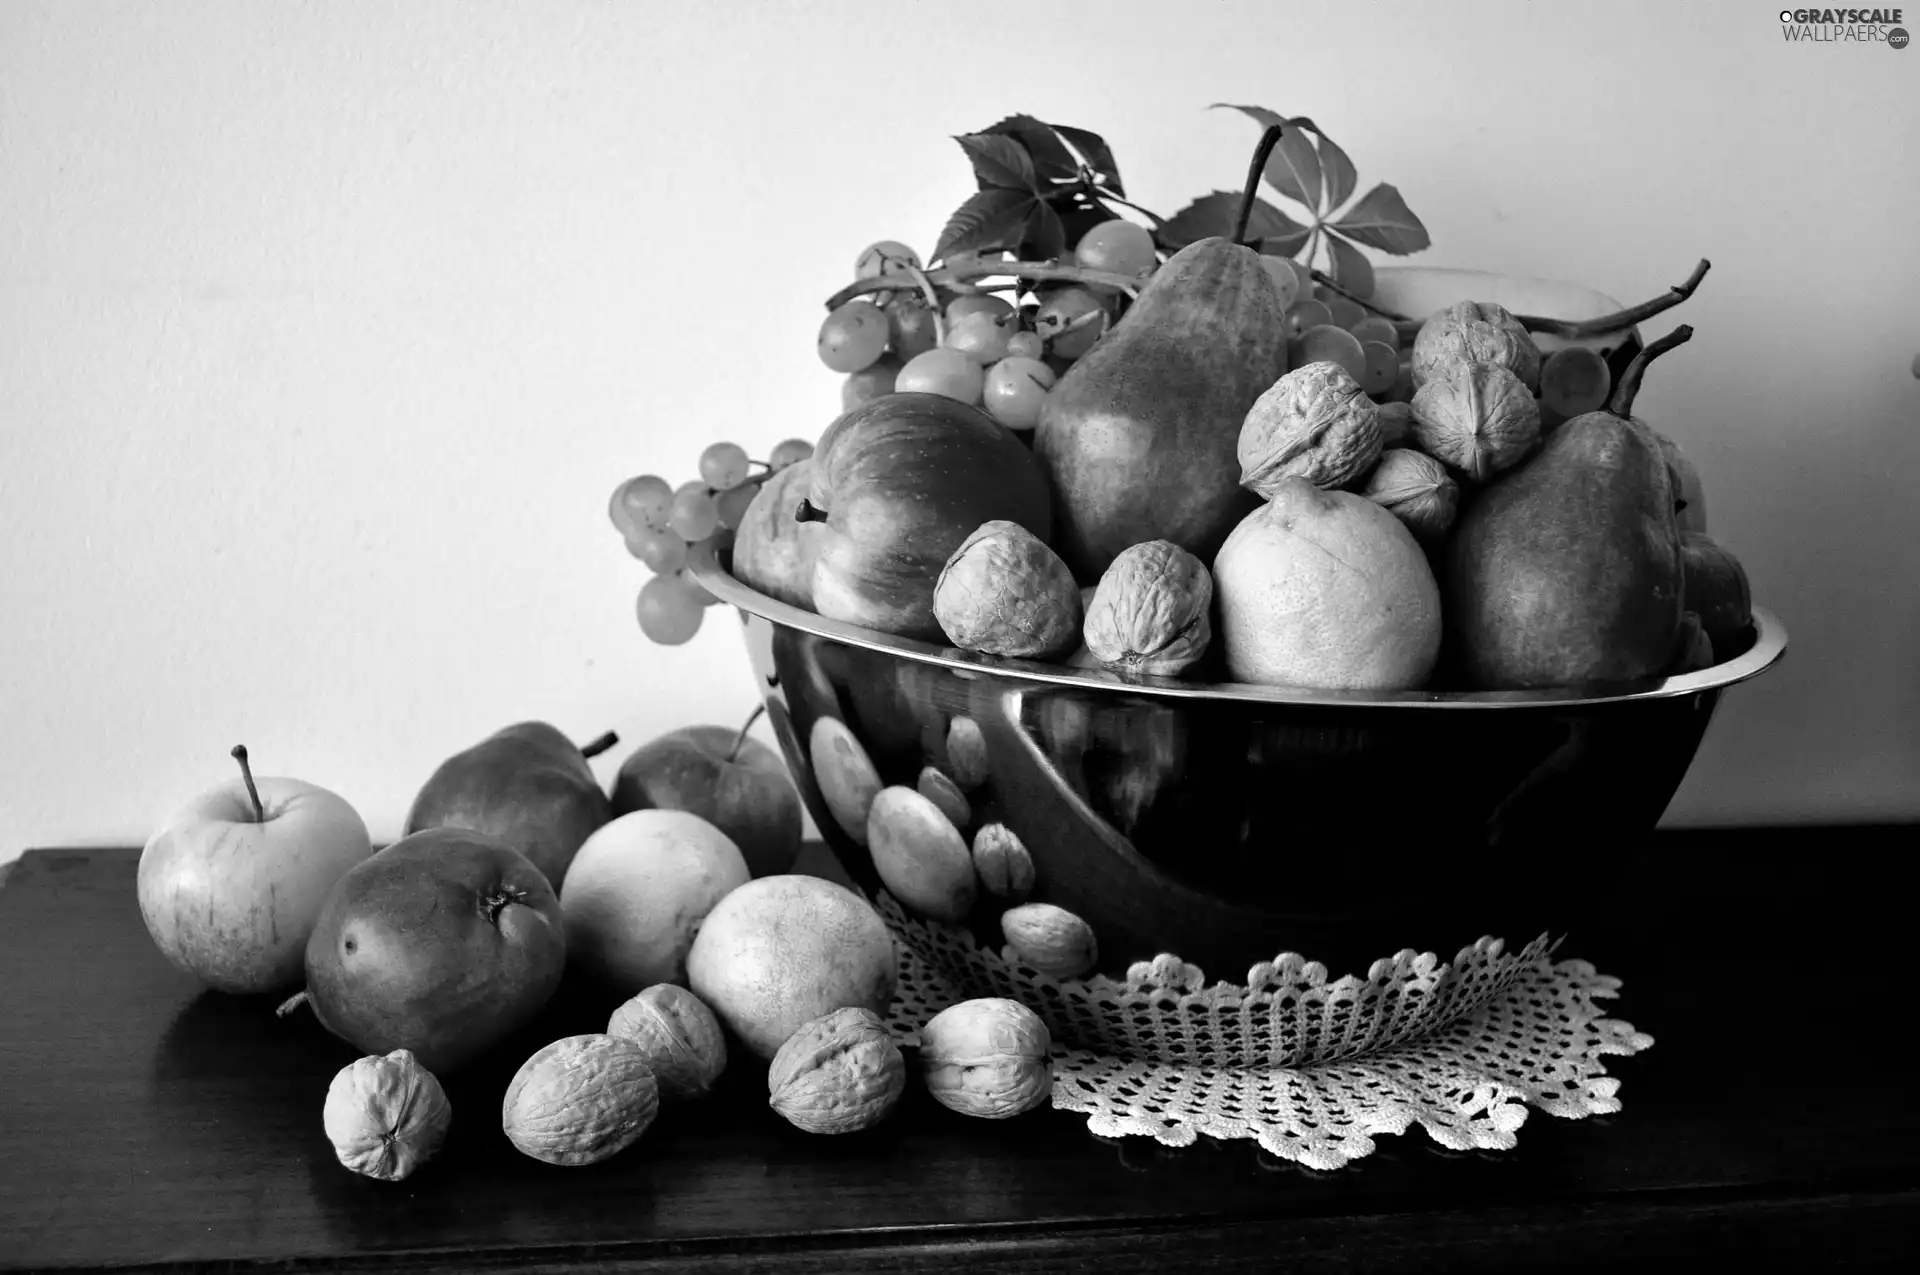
(737, 784)
(232, 885)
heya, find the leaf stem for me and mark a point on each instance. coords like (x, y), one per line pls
(740, 739)
(1148, 213)
(1574, 330)
(1269, 139)
(1621, 404)
(967, 272)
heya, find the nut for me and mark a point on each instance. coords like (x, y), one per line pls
(685, 1048)
(1396, 421)
(967, 752)
(386, 1115)
(1003, 592)
(944, 793)
(838, 1073)
(987, 1057)
(1050, 939)
(1001, 861)
(1417, 490)
(848, 782)
(580, 1099)
(1475, 332)
(920, 856)
(1477, 417)
(1150, 611)
(1314, 423)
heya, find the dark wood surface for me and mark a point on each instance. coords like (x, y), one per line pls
(146, 1124)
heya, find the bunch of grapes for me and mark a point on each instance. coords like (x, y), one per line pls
(658, 521)
(980, 347)
(1325, 327)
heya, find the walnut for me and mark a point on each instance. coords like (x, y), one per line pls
(1416, 489)
(1396, 421)
(685, 1047)
(1004, 592)
(1001, 861)
(1314, 423)
(1150, 613)
(839, 1073)
(386, 1115)
(1475, 332)
(1477, 417)
(987, 1057)
(580, 1099)
(1050, 939)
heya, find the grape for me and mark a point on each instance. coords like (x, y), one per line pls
(869, 383)
(1324, 343)
(1383, 367)
(1025, 345)
(1346, 311)
(853, 336)
(697, 591)
(791, 452)
(730, 506)
(977, 303)
(1285, 281)
(1015, 389)
(664, 552)
(639, 503)
(669, 613)
(1375, 328)
(888, 256)
(910, 327)
(1306, 314)
(1320, 291)
(1119, 246)
(1575, 379)
(694, 515)
(947, 372)
(1059, 311)
(724, 466)
(981, 337)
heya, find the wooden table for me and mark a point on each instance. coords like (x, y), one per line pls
(146, 1124)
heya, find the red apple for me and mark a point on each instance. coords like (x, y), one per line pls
(773, 551)
(737, 784)
(232, 885)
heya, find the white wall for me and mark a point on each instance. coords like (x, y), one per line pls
(325, 330)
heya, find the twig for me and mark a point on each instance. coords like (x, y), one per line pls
(1574, 330)
(933, 304)
(1269, 139)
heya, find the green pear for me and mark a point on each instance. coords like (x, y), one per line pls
(1141, 435)
(527, 785)
(1567, 571)
(1717, 590)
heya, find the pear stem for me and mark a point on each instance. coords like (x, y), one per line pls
(246, 773)
(290, 1004)
(741, 738)
(593, 748)
(1621, 404)
(1573, 330)
(1268, 140)
(807, 511)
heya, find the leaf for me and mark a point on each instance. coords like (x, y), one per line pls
(1000, 161)
(990, 221)
(1351, 269)
(1046, 237)
(1283, 245)
(1294, 167)
(1381, 220)
(1051, 159)
(1337, 170)
(1093, 148)
(1214, 214)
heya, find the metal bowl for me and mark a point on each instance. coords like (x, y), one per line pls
(1228, 823)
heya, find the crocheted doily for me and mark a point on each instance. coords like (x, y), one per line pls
(1310, 1067)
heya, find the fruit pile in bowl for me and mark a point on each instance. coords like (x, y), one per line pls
(1211, 602)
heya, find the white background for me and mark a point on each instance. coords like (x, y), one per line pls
(326, 329)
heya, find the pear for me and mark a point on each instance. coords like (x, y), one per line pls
(1141, 435)
(526, 784)
(1567, 571)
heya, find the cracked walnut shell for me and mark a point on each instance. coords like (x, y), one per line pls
(1150, 613)
(1475, 332)
(1314, 423)
(1477, 417)
(988, 1057)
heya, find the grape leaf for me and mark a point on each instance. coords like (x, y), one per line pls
(1214, 214)
(1381, 220)
(1294, 167)
(1282, 245)
(1337, 170)
(1094, 149)
(1046, 237)
(1000, 161)
(991, 220)
(1051, 159)
(1351, 269)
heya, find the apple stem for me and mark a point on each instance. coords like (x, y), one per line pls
(290, 1004)
(741, 738)
(1623, 393)
(1268, 140)
(594, 748)
(807, 511)
(246, 773)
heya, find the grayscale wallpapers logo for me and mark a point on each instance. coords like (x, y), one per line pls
(1844, 26)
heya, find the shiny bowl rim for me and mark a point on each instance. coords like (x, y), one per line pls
(703, 561)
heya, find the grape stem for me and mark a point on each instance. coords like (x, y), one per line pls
(1261, 153)
(1574, 330)
(933, 304)
(740, 740)
(1621, 404)
(969, 271)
